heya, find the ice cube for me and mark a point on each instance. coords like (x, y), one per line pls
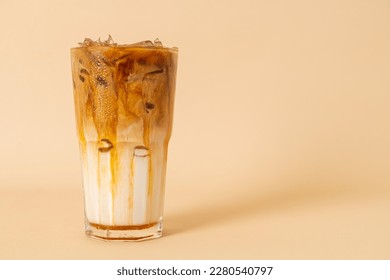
(153, 88)
(157, 43)
(109, 41)
(146, 43)
(89, 42)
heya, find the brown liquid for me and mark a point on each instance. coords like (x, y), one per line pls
(133, 227)
(123, 82)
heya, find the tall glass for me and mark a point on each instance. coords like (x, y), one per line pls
(124, 97)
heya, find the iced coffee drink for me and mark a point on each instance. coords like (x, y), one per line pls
(124, 96)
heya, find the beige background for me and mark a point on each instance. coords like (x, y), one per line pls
(280, 148)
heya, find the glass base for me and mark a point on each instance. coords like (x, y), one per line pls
(124, 233)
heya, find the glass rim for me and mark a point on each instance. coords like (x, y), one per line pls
(130, 47)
